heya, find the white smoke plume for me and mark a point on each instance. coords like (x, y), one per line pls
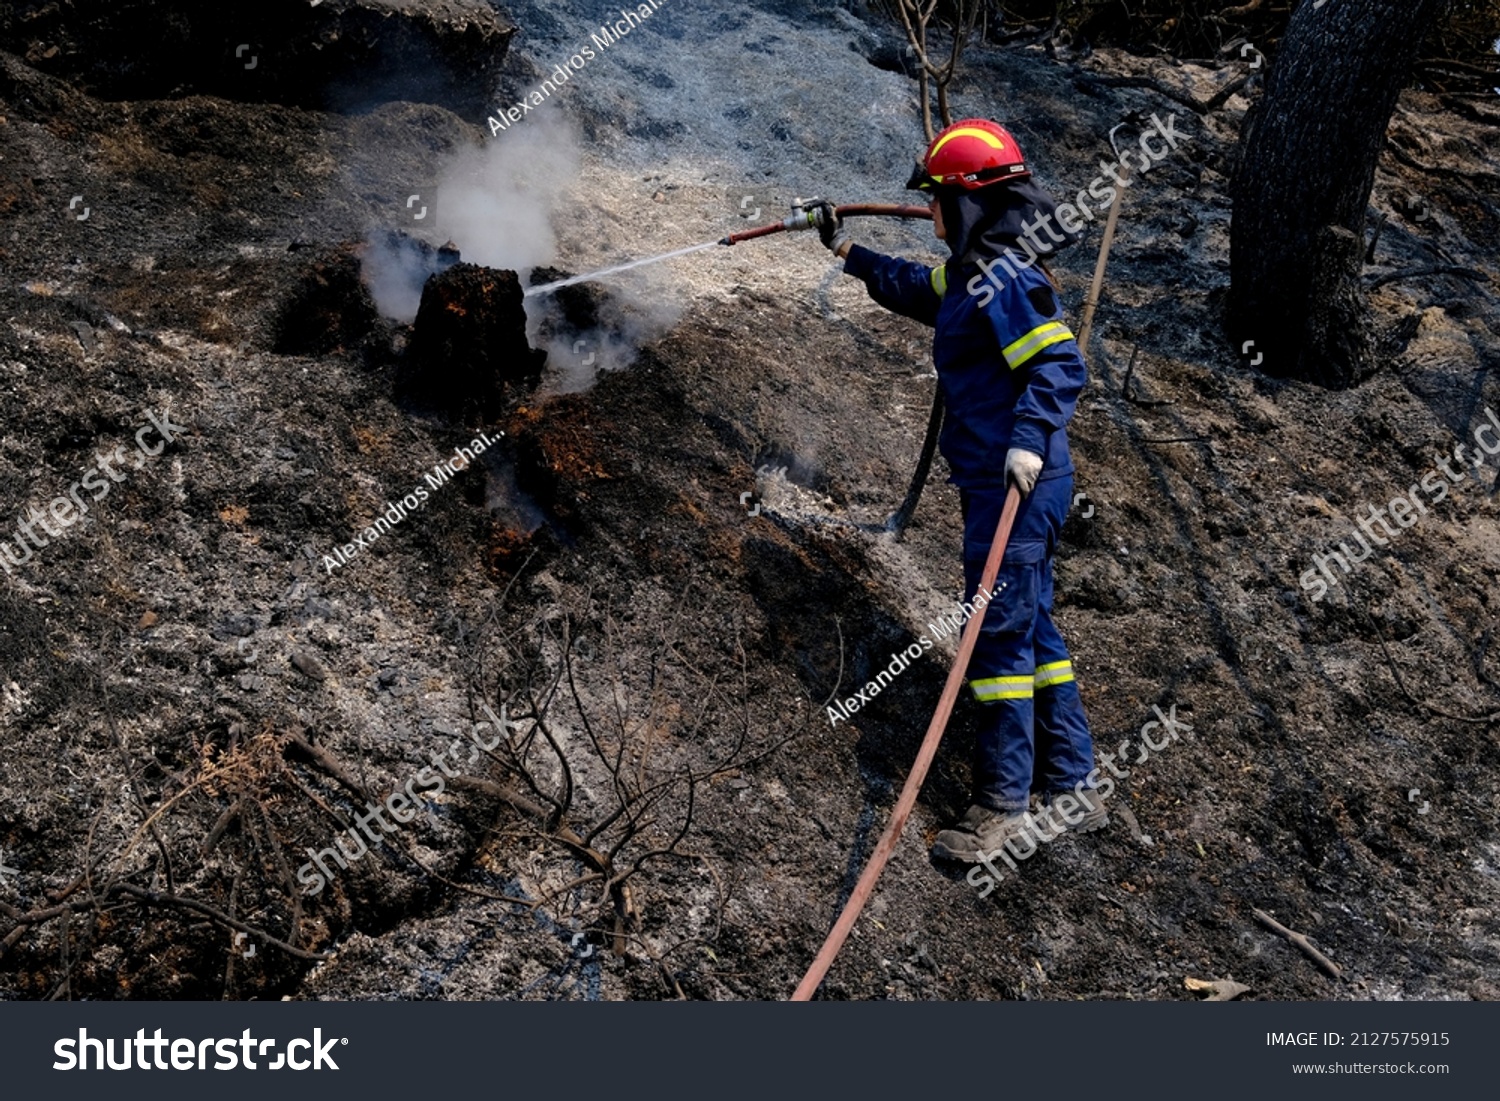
(395, 276)
(495, 202)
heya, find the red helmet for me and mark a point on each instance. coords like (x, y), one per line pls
(971, 153)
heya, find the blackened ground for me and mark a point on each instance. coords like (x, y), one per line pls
(191, 696)
(334, 55)
(329, 310)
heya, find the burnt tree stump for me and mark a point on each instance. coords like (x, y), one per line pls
(468, 357)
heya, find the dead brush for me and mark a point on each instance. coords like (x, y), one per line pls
(602, 762)
(253, 777)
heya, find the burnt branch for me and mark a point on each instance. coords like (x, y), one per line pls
(627, 716)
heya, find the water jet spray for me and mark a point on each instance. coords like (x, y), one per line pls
(804, 216)
(800, 218)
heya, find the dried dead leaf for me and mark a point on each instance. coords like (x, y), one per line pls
(1218, 990)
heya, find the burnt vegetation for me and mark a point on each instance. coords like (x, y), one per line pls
(190, 701)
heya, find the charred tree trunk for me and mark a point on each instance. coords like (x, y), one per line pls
(1307, 166)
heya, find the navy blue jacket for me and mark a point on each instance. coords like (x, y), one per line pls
(1009, 368)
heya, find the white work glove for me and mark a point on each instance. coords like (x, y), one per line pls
(1023, 468)
(831, 230)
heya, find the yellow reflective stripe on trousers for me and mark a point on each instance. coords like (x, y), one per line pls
(1043, 336)
(1057, 672)
(939, 280)
(1002, 688)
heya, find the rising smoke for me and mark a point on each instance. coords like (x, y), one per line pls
(494, 201)
(497, 203)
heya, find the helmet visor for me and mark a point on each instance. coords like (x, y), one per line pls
(920, 180)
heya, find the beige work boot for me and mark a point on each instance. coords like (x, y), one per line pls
(982, 831)
(1081, 811)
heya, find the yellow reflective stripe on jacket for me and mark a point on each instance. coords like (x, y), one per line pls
(1002, 688)
(1043, 336)
(939, 278)
(1057, 672)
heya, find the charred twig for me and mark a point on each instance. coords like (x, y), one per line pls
(24, 920)
(133, 778)
(518, 750)
(499, 791)
(524, 903)
(156, 898)
(289, 885)
(1436, 269)
(1204, 107)
(1145, 403)
(318, 801)
(32, 917)
(657, 958)
(327, 762)
(617, 701)
(1331, 969)
(1375, 237)
(839, 679)
(1487, 72)
(230, 814)
(1226, 93)
(593, 737)
(230, 957)
(1394, 149)
(1478, 720)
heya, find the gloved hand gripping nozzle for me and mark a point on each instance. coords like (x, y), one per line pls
(807, 213)
(821, 215)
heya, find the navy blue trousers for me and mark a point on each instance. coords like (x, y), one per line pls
(1033, 734)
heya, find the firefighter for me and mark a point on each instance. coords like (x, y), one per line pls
(1010, 373)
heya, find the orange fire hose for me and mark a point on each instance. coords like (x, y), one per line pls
(887, 845)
